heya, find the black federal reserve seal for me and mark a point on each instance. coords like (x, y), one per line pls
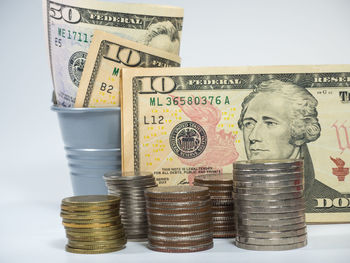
(188, 139)
(76, 66)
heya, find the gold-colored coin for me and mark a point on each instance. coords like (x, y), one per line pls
(94, 229)
(93, 238)
(92, 225)
(92, 251)
(97, 244)
(88, 215)
(91, 200)
(95, 234)
(92, 209)
(115, 219)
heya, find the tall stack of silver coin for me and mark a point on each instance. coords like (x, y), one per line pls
(269, 204)
(179, 219)
(220, 191)
(130, 187)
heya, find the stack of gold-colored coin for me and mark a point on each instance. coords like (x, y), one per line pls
(179, 219)
(93, 224)
(269, 204)
(130, 186)
(220, 191)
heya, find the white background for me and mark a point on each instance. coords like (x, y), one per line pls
(34, 172)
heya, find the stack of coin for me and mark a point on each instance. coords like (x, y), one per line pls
(269, 204)
(130, 187)
(93, 224)
(179, 219)
(220, 191)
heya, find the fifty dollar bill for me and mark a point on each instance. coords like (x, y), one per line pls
(99, 84)
(70, 25)
(187, 122)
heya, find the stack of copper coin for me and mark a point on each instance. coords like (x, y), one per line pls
(130, 186)
(93, 224)
(269, 204)
(220, 191)
(179, 219)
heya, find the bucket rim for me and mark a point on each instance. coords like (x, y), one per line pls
(83, 110)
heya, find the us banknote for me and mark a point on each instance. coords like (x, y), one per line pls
(70, 25)
(108, 54)
(187, 122)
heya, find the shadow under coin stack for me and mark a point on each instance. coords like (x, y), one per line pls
(130, 187)
(179, 219)
(93, 224)
(269, 204)
(220, 191)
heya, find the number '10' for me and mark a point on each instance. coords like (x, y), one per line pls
(158, 84)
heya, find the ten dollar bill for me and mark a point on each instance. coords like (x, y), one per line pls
(187, 122)
(99, 84)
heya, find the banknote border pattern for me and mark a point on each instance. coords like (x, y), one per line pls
(93, 74)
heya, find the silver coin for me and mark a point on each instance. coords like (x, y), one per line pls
(133, 208)
(266, 197)
(272, 234)
(137, 239)
(139, 212)
(270, 202)
(272, 241)
(222, 202)
(267, 164)
(262, 216)
(133, 220)
(267, 190)
(223, 213)
(263, 172)
(269, 222)
(132, 203)
(267, 184)
(137, 228)
(271, 248)
(270, 209)
(135, 211)
(270, 228)
(255, 177)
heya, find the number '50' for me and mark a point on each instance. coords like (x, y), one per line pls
(69, 14)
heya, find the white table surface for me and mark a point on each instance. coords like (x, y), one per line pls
(32, 232)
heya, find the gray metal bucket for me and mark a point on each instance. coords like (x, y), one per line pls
(92, 142)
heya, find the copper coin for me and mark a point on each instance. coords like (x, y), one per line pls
(181, 250)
